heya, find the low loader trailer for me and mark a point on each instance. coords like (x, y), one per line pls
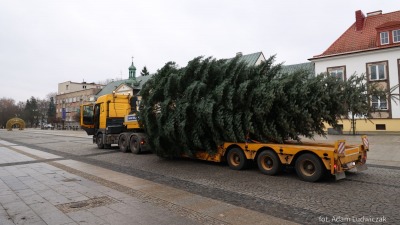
(310, 160)
(113, 120)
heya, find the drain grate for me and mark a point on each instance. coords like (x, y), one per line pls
(86, 204)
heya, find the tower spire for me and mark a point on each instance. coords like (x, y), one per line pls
(132, 71)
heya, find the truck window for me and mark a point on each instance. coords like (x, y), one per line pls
(87, 114)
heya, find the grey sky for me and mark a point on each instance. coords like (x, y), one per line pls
(43, 43)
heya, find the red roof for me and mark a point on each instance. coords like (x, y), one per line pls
(366, 38)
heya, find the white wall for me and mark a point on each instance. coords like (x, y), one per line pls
(73, 86)
(260, 59)
(356, 63)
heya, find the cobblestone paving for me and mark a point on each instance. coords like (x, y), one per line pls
(371, 194)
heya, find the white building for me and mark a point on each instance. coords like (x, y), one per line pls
(370, 46)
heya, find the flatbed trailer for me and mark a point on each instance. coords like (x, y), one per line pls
(310, 160)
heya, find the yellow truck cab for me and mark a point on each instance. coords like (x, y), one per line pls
(113, 120)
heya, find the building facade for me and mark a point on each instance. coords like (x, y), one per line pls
(130, 86)
(69, 98)
(370, 46)
(68, 87)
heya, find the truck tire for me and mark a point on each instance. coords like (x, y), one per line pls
(99, 141)
(237, 159)
(123, 143)
(309, 167)
(134, 145)
(269, 163)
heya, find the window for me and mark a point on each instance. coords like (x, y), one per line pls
(379, 102)
(338, 72)
(396, 36)
(380, 127)
(384, 38)
(377, 71)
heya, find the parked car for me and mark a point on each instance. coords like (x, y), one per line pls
(47, 126)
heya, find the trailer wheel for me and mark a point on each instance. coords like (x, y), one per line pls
(134, 145)
(99, 141)
(236, 159)
(268, 162)
(123, 143)
(309, 167)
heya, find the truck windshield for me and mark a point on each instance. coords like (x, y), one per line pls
(87, 114)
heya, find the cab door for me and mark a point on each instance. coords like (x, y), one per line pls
(87, 118)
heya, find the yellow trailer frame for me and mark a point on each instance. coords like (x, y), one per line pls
(310, 160)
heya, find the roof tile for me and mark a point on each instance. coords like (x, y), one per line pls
(365, 39)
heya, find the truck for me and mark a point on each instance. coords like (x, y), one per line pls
(113, 120)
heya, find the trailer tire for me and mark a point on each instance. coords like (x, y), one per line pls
(309, 167)
(134, 145)
(237, 159)
(99, 141)
(123, 143)
(269, 163)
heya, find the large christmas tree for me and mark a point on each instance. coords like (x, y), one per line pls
(208, 102)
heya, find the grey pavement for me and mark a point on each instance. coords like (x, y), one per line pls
(41, 188)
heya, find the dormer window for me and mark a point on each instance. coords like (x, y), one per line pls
(384, 38)
(388, 33)
(396, 36)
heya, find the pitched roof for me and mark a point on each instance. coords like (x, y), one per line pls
(364, 39)
(250, 59)
(308, 66)
(110, 87)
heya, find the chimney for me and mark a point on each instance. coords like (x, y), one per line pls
(239, 54)
(359, 20)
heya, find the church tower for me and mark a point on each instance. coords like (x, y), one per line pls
(132, 71)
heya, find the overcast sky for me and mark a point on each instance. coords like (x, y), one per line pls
(44, 42)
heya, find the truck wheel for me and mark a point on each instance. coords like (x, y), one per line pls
(123, 143)
(268, 162)
(237, 159)
(309, 167)
(99, 141)
(134, 144)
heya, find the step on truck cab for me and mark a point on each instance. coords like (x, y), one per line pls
(310, 160)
